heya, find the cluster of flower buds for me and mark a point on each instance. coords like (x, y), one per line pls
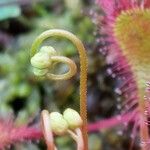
(70, 119)
(45, 59)
(69, 122)
(41, 61)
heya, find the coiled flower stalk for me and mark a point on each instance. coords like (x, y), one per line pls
(42, 61)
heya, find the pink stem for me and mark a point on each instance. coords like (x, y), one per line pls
(109, 123)
(78, 137)
(80, 142)
(48, 135)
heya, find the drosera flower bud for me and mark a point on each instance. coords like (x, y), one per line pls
(49, 50)
(73, 118)
(58, 123)
(40, 72)
(41, 60)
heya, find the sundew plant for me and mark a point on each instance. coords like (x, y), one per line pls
(125, 34)
(126, 26)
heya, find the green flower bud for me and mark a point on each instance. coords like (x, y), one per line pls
(41, 60)
(58, 123)
(73, 118)
(40, 72)
(49, 50)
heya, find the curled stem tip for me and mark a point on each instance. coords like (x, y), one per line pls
(72, 68)
(52, 56)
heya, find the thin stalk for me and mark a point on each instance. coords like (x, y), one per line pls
(78, 137)
(144, 132)
(46, 127)
(80, 143)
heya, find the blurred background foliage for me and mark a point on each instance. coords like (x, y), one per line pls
(23, 96)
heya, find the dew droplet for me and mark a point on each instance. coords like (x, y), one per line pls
(109, 71)
(119, 106)
(146, 112)
(132, 136)
(113, 75)
(120, 132)
(118, 91)
(118, 99)
(143, 144)
(145, 97)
